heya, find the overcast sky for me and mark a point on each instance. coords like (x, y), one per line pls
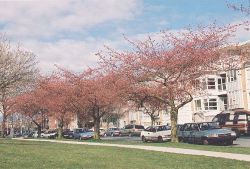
(69, 33)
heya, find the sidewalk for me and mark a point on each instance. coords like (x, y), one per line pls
(241, 157)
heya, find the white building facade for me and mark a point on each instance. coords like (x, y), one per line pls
(223, 91)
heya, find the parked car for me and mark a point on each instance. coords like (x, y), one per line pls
(77, 132)
(87, 134)
(238, 121)
(114, 131)
(206, 133)
(49, 134)
(156, 133)
(35, 134)
(18, 134)
(28, 134)
(133, 129)
(68, 134)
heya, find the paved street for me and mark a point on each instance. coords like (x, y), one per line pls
(122, 138)
(243, 141)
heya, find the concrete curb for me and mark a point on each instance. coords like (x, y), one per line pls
(233, 156)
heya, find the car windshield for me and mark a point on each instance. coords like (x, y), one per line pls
(209, 126)
(89, 131)
(79, 130)
(162, 128)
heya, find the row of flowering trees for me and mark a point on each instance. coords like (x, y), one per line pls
(157, 74)
(64, 95)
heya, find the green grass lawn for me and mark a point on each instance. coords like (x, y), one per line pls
(219, 148)
(36, 155)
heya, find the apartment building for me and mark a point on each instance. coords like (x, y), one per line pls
(221, 91)
(225, 91)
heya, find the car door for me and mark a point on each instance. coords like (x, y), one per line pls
(194, 133)
(128, 129)
(161, 131)
(186, 131)
(153, 134)
(123, 132)
(148, 133)
(166, 131)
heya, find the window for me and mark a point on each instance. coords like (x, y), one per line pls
(210, 104)
(194, 127)
(223, 103)
(248, 117)
(187, 127)
(128, 127)
(163, 128)
(222, 118)
(236, 118)
(197, 105)
(232, 75)
(152, 130)
(222, 82)
(210, 83)
(139, 127)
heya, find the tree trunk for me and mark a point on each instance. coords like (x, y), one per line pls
(3, 134)
(39, 130)
(152, 120)
(174, 118)
(60, 129)
(97, 128)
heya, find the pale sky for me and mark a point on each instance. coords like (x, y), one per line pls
(69, 32)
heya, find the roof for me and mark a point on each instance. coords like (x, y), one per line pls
(236, 111)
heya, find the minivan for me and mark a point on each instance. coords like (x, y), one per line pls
(237, 120)
(133, 129)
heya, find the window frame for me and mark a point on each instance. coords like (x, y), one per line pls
(208, 104)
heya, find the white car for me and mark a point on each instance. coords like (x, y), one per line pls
(35, 134)
(49, 134)
(156, 133)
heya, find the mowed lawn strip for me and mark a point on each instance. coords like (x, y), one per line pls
(216, 148)
(29, 154)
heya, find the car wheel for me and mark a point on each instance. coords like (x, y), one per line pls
(160, 139)
(143, 139)
(205, 142)
(180, 139)
(184, 140)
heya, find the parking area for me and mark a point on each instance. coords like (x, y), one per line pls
(122, 138)
(243, 141)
